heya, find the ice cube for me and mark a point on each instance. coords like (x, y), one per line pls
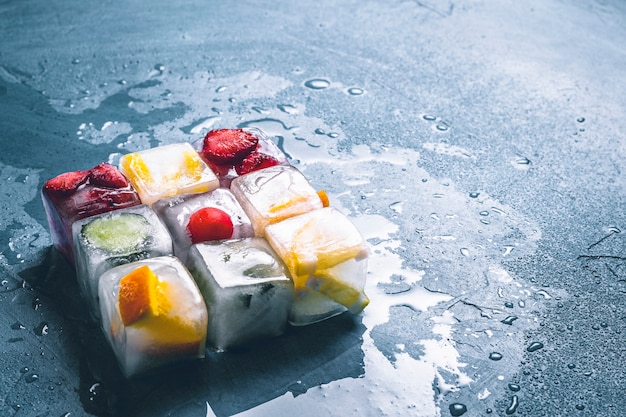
(274, 194)
(167, 171)
(114, 238)
(152, 314)
(75, 195)
(325, 254)
(267, 152)
(177, 211)
(246, 287)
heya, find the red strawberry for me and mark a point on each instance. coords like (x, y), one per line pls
(209, 223)
(228, 145)
(65, 184)
(254, 161)
(106, 175)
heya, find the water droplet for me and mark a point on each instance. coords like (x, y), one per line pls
(534, 346)
(613, 229)
(24, 370)
(508, 304)
(288, 108)
(17, 326)
(36, 303)
(319, 131)
(41, 329)
(457, 409)
(159, 67)
(508, 320)
(484, 213)
(76, 61)
(317, 84)
(523, 161)
(442, 127)
(514, 387)
(580, 407)
(474, 195)
(489, 411)
(485, 221)
(221, 89)
(495, 356)
(513, 405)
(396, 206)
(465, 252)
(571, 365)
(429, 117)
(333, 135)
(580, 119)
(355, 91)
(122, 82)
(31, 378)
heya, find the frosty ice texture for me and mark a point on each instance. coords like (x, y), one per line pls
(226, 173)
(110, 239)
(167, 171)
(246, 288)
(273, 194)
(325, 254)
(175, 330)
(176, 211)
(89, 199)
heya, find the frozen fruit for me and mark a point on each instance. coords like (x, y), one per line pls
(209, 223)
(228, 145)
(324, 198)
(66, 183)
(140, 295)
(106, 175)
(255, 160)
(117, 234)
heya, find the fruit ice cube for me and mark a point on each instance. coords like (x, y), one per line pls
(196, 218)
(75, 195)
(325, 253)
(152, 314)
(167, 171)
(246, 287)
(234, 152)
(274, 194)
(110, 239)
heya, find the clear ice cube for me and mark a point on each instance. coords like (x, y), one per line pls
(169, 323)
(176, 211)
(166, 171)
(114, 238)
(246, 287)
(325, 254)
(274, 194)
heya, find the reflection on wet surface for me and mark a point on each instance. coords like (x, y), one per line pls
(441, 300)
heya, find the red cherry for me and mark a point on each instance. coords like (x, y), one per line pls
(209, 223)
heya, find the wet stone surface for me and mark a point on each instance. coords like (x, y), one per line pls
(479, 149)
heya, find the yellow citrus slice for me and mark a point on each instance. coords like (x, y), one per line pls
(136, 170)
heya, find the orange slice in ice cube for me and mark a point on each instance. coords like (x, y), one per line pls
(141, 295)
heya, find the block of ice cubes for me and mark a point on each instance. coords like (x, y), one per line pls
(152, 314)
(75, 195)
(246, 287)
(234, 152)
(273, 194)
(114, 238)
(166, 171)
(325, 254)
(195, 218)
